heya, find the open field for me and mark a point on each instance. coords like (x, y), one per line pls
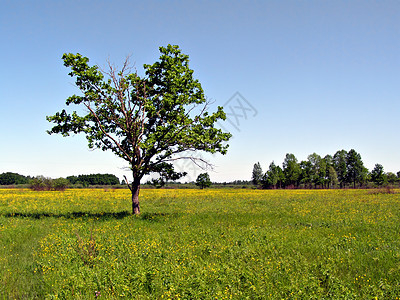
(200, 244)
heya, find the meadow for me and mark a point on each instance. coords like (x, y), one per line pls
(200, 244)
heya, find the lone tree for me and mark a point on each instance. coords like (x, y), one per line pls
(203, 180)
(148, 121)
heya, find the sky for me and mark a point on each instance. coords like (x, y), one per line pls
(293, 76)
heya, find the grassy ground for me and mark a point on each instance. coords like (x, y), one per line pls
(200, 244)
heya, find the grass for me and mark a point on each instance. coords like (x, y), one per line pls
(200, 244)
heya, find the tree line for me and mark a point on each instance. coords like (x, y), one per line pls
(343, 169)
(10, 178)
(94, 179)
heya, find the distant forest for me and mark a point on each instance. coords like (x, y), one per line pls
(10, 178)
(94, 179)
(343, 169)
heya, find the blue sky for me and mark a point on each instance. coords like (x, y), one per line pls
(316, 76)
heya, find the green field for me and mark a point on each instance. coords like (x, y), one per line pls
(200, 244)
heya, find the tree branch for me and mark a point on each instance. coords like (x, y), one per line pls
(127, 183)
(106, 134)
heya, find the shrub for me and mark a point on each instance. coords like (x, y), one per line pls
(60, 184)
(41, 183)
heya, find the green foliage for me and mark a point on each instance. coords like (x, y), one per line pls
(257, 174)
(340, 165)
(60, 184)
(378, 176)
(274, 177)
(94, 179)
(203, 180)
(391, 178)
(10, 178)
(166, 173)
(332, 177)
(356, 172)
(306, 175)
(41, 183)
(291, 170)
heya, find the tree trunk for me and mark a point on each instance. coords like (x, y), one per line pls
(135, 196)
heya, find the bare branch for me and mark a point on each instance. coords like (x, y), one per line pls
(105, 133)
(195, 160)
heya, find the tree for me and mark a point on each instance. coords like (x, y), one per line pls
(391, 178)
(340, 165)
(306, 173)
(203, 180)
(60, 184)
(332, 177)
(273, 177)
(318, 169)
(378, 176)
(148, 121)
(291, 170)
(356, 171)
(330, 174)
(41, 183)
(257, 174)
(328, 160)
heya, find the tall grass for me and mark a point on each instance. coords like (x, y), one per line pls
(192, 244)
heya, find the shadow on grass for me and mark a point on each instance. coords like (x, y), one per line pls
(154, 217)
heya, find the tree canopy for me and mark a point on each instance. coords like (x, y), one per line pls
(378, 175)
(203, 180)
